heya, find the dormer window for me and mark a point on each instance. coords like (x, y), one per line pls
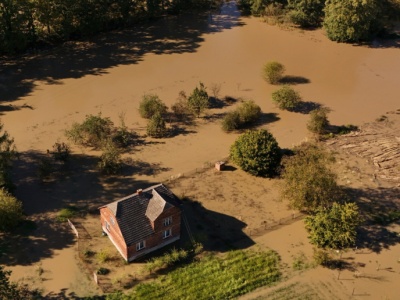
(167, 221)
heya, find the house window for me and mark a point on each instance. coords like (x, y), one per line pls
(167, 221)
(167, 233)
(140, 245)
(107, 226)
(112, 221)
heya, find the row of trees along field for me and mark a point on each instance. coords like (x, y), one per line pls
(343, 20)
(32, 23)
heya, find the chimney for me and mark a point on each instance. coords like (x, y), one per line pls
(139, 192)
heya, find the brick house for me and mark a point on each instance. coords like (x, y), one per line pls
(142, 222)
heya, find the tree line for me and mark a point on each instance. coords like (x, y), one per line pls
(31, 23)
(343, 20)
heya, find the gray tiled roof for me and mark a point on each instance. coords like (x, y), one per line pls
(134, 212)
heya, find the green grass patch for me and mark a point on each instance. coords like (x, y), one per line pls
(67, 213)
(213, 277)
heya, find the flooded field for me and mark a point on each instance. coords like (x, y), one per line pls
(42, 95)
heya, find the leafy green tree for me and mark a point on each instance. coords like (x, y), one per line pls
(273, 72)
(93, 131)
(8, 290)
(17, 29)
(350, 20)
(12, 291)
(150, 105)
(8, 154)
(156, 127)
(286, 98)
(198, 101)
(256, 152)
(308, 181)
(110, 160)
(306, 13)
(10, 211)
(318, 122)
(334, 227)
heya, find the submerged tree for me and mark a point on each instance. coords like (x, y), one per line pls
(93, 131)
(156, 127)
(150, 105)
(198, 101)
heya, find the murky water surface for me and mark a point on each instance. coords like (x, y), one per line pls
(44, 94)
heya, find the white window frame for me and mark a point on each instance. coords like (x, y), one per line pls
(141, 245)
(167, 221)
(167, 233)
(107, 226)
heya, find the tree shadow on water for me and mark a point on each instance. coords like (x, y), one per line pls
(375, 207)
(79, 184)
(290, 79)
(169, 35)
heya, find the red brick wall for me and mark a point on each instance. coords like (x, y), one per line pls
(114, 233)
(157, 237)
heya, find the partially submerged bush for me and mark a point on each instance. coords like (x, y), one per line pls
(198, 101)
(92, 131)
(246, 114)
(61, 152)
(273, 72)
(110, 160)
(156, 127)
(181, 108)
(286, 98)
(249, 112)
(150, 105)
(231, 121)
(318, 122)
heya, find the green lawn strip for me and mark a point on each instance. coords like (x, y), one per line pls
(214, 277)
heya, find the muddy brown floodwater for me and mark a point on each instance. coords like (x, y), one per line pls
(44, 94)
